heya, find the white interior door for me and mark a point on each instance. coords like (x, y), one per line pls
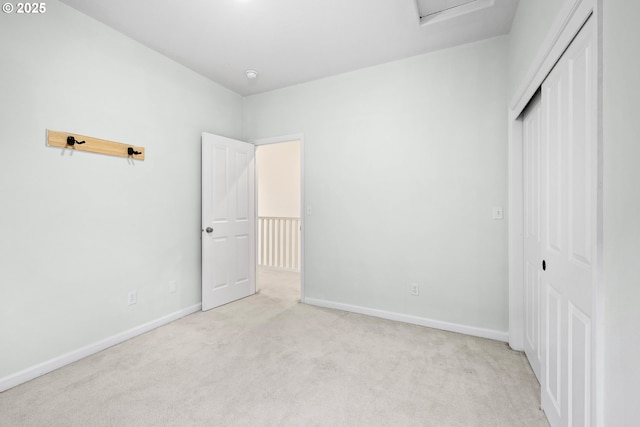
(569, 206)
(228, 220)
(531, 142)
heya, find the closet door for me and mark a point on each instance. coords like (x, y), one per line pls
(568, 203)
(531, 141)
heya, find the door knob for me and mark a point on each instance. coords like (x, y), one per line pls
(544, 265)
(209, 230)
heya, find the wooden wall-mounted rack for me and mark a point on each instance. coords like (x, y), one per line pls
(94, 145)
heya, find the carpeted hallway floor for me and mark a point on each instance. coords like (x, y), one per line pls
(268, 360)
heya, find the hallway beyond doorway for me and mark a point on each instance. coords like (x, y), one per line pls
(281, 285)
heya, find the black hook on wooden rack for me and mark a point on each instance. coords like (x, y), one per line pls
(72, 141)
(77, 142)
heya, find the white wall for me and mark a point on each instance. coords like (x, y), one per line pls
(279, 179)
(621, 126)
(530, 25)
(403, 163)
(77, 232)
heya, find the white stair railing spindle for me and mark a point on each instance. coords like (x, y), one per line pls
(279, 245)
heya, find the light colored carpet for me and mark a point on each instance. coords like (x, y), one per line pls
(268, 360)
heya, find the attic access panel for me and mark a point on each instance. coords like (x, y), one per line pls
(436, 10)
(429, 7)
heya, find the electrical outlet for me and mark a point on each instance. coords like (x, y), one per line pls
(132, 297)
(497, 212)
(415, 289)
(173, 286)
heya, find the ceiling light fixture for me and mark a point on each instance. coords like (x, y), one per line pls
(251, 74)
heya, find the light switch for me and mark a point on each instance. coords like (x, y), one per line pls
(497, 212)
(309, 211)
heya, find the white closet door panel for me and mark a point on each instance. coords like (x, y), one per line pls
(579, 355)
(568, 206)
(532, 133)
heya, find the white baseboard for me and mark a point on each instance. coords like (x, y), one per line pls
(75, 355)
(436, 324)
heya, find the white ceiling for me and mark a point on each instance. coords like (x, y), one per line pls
(294, 41)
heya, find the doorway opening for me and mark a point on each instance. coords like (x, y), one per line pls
(279, 219)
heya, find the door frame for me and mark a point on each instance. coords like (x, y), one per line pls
(276, 140)
(568, 23)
